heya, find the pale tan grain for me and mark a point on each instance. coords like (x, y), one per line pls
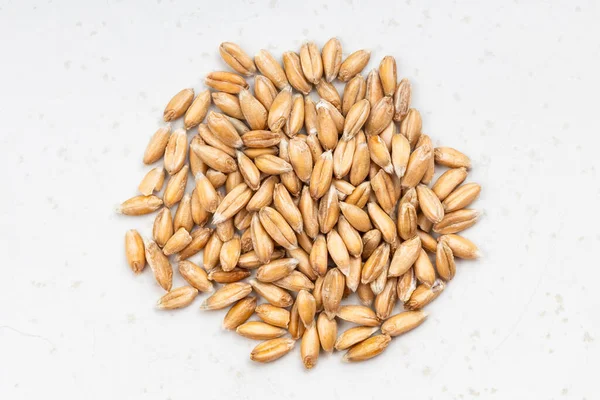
(269, 67)
(293, 71)
(157, 144)
(388, 75)
(311, 62)
(200, 237)
(236, 58)
(405, 256)
(227, 82)
(273, 294)
(178, 105)
(449, 157)
(160, 265)
(239, 313)
(152, 181)
(134, 251)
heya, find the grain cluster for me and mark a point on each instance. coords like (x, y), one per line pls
(300, 200)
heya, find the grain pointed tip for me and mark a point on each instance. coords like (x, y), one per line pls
(199, 175)
(217, 219)
(118, 209)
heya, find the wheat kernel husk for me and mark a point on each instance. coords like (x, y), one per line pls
(152, 181)
(280, 110)
(200, 237)
(329, 210)
(293, 71)
(444, 261)
(264, 195)
(353, 336)
(342, 157)
(239, 313)
(403, 322)
(371, 241)
(365, 294)
(295, 122)
(360, 315)
(270, 67)
(209, 138)
(327, 131)
(178, 105)
(162, 229)
(197, 111)
(177, 298)
(272, 165)
(311, 62)
(383, 222)
(386, 300)
(227, 82)
(360, 196)
(157, 144)
(407, 221)
(354, 91)
(351, 239)
(461, 246)
(402, 98)
(405, 256)
(134, 251)
(411, 126)
(295, 326)
(452, 158)
(430, 204)
(449, 181)
(457, 221)
(424, 295)
(183, 216)
(226, 295)
(235, 275)
(285, 205)
(461, 197)
(223, 129)
(276, 316)
(424, 270)
(237, 59)
(367, 349)
(309, 347)
(374, 91)
(353, 64)
(406, 285)
(262, 243)
(332, 291)
(259, 330)
(375, 264)
(321, 176)
(195, 276)
(199, 214)
(177, 242)
(159, 263)
(318, 255)
(212, 252)
(140, 205)
(275, 270)
(273, 294)
(271, 350)
(388, 75)
(232, 203)
(384, 190)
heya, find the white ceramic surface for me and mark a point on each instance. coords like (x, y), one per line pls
(514, 84)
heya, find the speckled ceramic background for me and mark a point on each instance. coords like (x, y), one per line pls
(513, 84)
